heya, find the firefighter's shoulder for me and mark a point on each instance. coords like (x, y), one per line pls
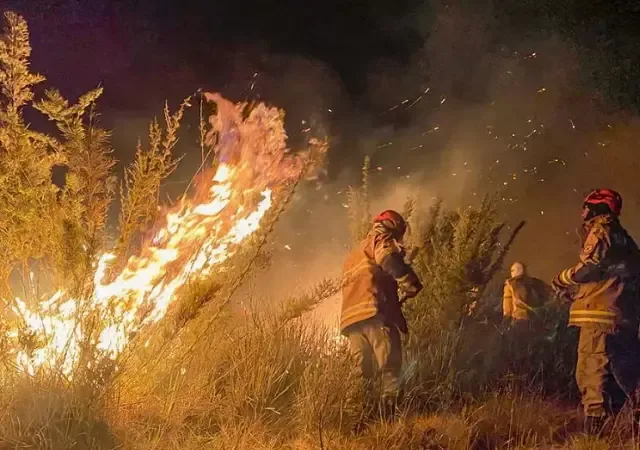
(597, 240)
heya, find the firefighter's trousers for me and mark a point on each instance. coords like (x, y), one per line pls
(378, 349)
(608, 370)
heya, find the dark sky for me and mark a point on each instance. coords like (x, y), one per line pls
(126, 43)
(142, 49)
(145, 51)
(341, 65)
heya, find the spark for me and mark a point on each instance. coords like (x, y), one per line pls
(573, 125)
(558, 160)
(415, 101)
(541, 90)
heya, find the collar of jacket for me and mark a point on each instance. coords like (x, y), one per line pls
(583, 230)
(602, 219)
(379, 228)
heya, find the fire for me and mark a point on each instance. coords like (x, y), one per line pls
(195, 238)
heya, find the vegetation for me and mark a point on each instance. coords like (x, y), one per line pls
(210, 376)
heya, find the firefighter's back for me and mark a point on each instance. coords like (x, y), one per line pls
(359, 296)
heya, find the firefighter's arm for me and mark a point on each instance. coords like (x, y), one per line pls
(507, 300)
(390, 257)
(590, 267)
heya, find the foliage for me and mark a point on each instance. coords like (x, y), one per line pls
(62, 225)
(459, 253)
(28, 200)
(360, 206)
(139, 195)
(88, 185)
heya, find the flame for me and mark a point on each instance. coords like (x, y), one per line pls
(196, 237)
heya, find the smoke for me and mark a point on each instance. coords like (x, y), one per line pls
(473, 113)
(488, 104)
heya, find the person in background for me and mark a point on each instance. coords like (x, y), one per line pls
(376, 280)
(523, 296)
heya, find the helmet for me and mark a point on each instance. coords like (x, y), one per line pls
(607, 197)
(393, 221)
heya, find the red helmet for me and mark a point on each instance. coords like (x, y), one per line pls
(393, 221)
(607, 196)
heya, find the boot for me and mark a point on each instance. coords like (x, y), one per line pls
(593, 426)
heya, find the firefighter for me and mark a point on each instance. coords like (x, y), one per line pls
(376, 281)
(522, 298)
(603, 288)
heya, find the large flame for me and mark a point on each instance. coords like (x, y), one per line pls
(195, 237)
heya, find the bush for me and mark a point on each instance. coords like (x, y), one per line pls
(456, 349)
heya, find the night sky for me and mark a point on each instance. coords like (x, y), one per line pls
(512, 87)
(145, 50)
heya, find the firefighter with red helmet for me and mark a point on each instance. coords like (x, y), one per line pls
(603, 288)
(376, 281)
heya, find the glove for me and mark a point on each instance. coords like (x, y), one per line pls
(558, 286)
(562, 291)
(410, 255)
(407, 291)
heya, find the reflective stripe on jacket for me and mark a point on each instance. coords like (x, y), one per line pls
(606, 278)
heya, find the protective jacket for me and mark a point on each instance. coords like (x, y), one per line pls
(373, 273)
(604, 283)
(522, 296)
